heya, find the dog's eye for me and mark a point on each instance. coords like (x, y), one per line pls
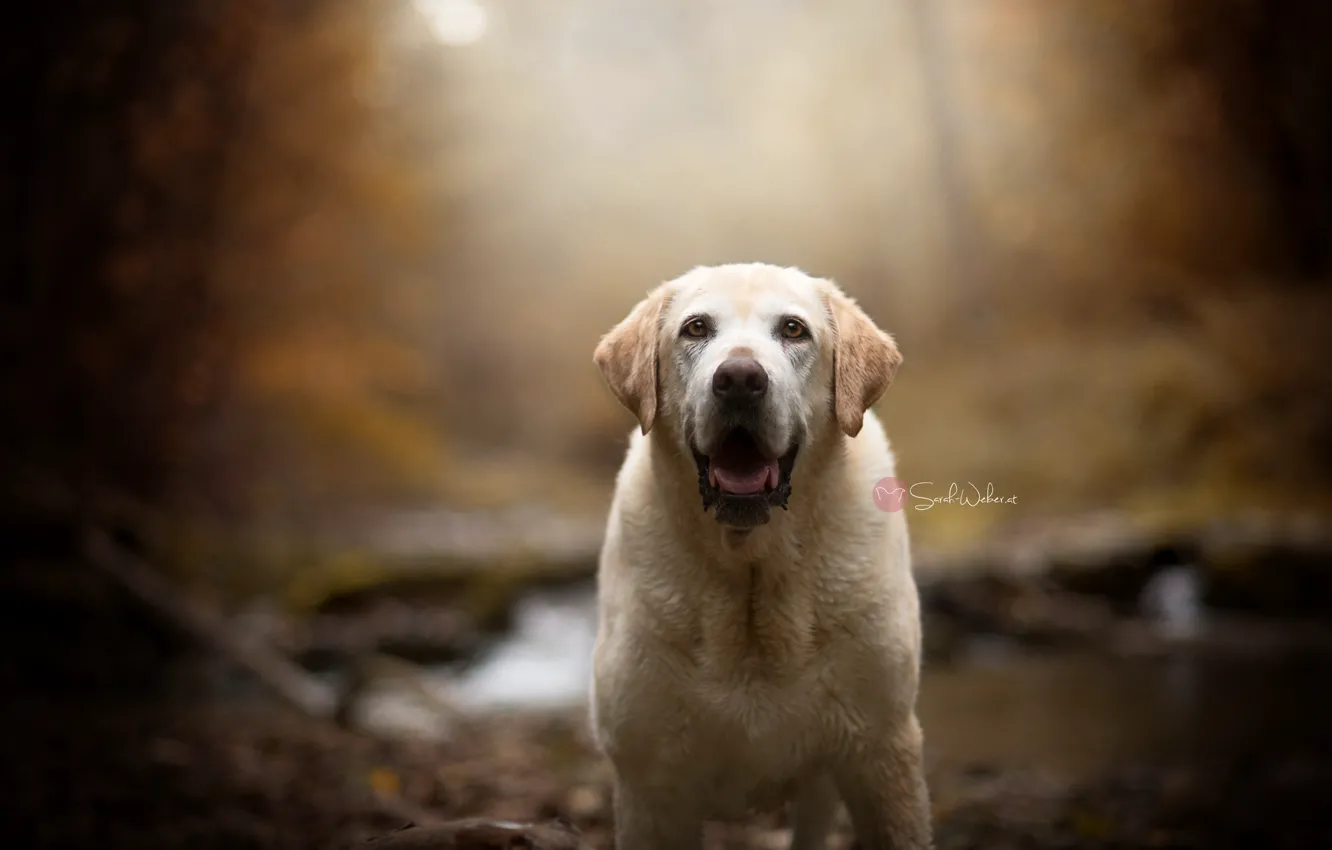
(794, 329)
(694, 329)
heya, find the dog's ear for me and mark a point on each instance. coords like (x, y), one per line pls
(864, 361)
(627, 357)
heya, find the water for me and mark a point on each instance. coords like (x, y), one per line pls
(1072, 713)
(546, 662)
(1172, 599)
(1077, 713)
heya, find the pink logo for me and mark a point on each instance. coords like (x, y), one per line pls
(890, 494)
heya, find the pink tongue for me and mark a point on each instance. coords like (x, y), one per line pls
(745, 480)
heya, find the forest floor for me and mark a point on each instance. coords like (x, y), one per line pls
(109, 773)
(98, 750)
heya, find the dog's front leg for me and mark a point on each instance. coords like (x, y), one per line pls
(883, 785)
(649, 818)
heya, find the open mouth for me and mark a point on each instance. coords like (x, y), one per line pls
(742, 479)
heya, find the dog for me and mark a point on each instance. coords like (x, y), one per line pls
(759, 625)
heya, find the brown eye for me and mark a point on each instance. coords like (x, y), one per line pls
(694, 329)
(794, 329)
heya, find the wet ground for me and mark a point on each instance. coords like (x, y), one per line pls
(1038, 745)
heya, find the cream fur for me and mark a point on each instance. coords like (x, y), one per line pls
(742, 669)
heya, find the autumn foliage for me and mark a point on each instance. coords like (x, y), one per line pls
(271, 263)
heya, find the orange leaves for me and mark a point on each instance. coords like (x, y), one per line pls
(331, 360)
(384, 781)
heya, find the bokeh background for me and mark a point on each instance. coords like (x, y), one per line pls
(300, 297)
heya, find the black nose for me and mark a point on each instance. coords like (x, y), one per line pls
(740, 379)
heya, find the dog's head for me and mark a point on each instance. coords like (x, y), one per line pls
(742, 366)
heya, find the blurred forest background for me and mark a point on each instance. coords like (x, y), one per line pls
(276, 270)
(298, 312)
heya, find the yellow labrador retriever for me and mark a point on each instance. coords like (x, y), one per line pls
(759, 635)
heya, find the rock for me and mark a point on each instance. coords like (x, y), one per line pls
(585, 801)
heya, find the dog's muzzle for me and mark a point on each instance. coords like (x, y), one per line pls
(740, 477)
(740, 484)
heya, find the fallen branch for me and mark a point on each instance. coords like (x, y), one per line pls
(287, 680)
(284, 678)
(480, 834)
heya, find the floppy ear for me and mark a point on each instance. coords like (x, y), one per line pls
(627, 357)
(864, 362)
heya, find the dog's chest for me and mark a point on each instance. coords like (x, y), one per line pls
(759, 700)
(750, 740)
(759, 626)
